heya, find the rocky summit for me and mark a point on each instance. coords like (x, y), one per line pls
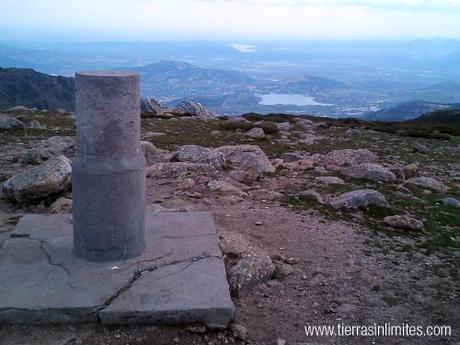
(318, 220)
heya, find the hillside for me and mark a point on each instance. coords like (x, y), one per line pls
(450, 116)
(182, 79)
(405, 111)
(19, 86)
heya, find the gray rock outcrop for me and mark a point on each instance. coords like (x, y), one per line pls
(428, 183)
(151, 105)
(193, 109)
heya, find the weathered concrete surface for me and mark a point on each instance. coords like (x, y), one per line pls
(108, 173)
(180, 278)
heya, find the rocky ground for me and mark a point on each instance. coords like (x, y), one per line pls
(319, 223)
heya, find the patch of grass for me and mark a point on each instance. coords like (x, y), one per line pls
(254, 117)
(269, 128)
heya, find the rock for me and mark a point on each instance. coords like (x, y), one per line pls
(153, 134)
(224, 188)
(428, 183)
(420, 148)
(154, 155)
(59, 145)
(34, 156)
(21, 108)
(237, 119)
(151, 105)
(411, 170)
(255, 133)
(284, 126)
(200, 154)
(292, 156)
(395, 169)
(330, 180)
(61, 205)
(305, 123)
(405, 196)
(310, 195)
(239, 331)
(359, 198)
(350, 157)
(35, 124)
(403, 222)
(177, 170)
(249, 158)
(369, 171)
(322, 125)
(451, 202)
(283, 270)
(10, 122)
(233, 244)
(51, 177)
(187, 108)
(252, 269)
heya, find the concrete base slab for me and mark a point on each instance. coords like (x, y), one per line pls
(179, 279)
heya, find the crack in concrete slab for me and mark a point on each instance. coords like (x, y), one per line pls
(50, 260)
(139, 273)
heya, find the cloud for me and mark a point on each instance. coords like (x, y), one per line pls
(402, 4)
(232, 20)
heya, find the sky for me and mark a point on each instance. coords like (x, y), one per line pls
(236, 20)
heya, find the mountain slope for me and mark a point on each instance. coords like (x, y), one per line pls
(20, 86)
(182, 79)
(405, 111)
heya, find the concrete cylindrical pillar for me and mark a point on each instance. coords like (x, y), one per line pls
(108, 173)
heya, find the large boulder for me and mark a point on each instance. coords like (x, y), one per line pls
(200, 154)
(10, 122)
(187, 108)
(350, 157)
(428, 183)
(151, 105)
(369, 171)
(403, 222)
(248, 158)
(49, 178)
(359, 198)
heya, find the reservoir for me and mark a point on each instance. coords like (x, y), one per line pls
(289, 99)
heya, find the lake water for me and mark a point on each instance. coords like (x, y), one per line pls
(289, 99)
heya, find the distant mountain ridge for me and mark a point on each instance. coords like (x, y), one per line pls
(23, 86)
(406, 111)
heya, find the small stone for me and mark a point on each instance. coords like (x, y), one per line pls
(239, 331)
(451, 202)
(310, 195)
(411, 170)
(258, 223)
(403, 222)
(420, 148)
